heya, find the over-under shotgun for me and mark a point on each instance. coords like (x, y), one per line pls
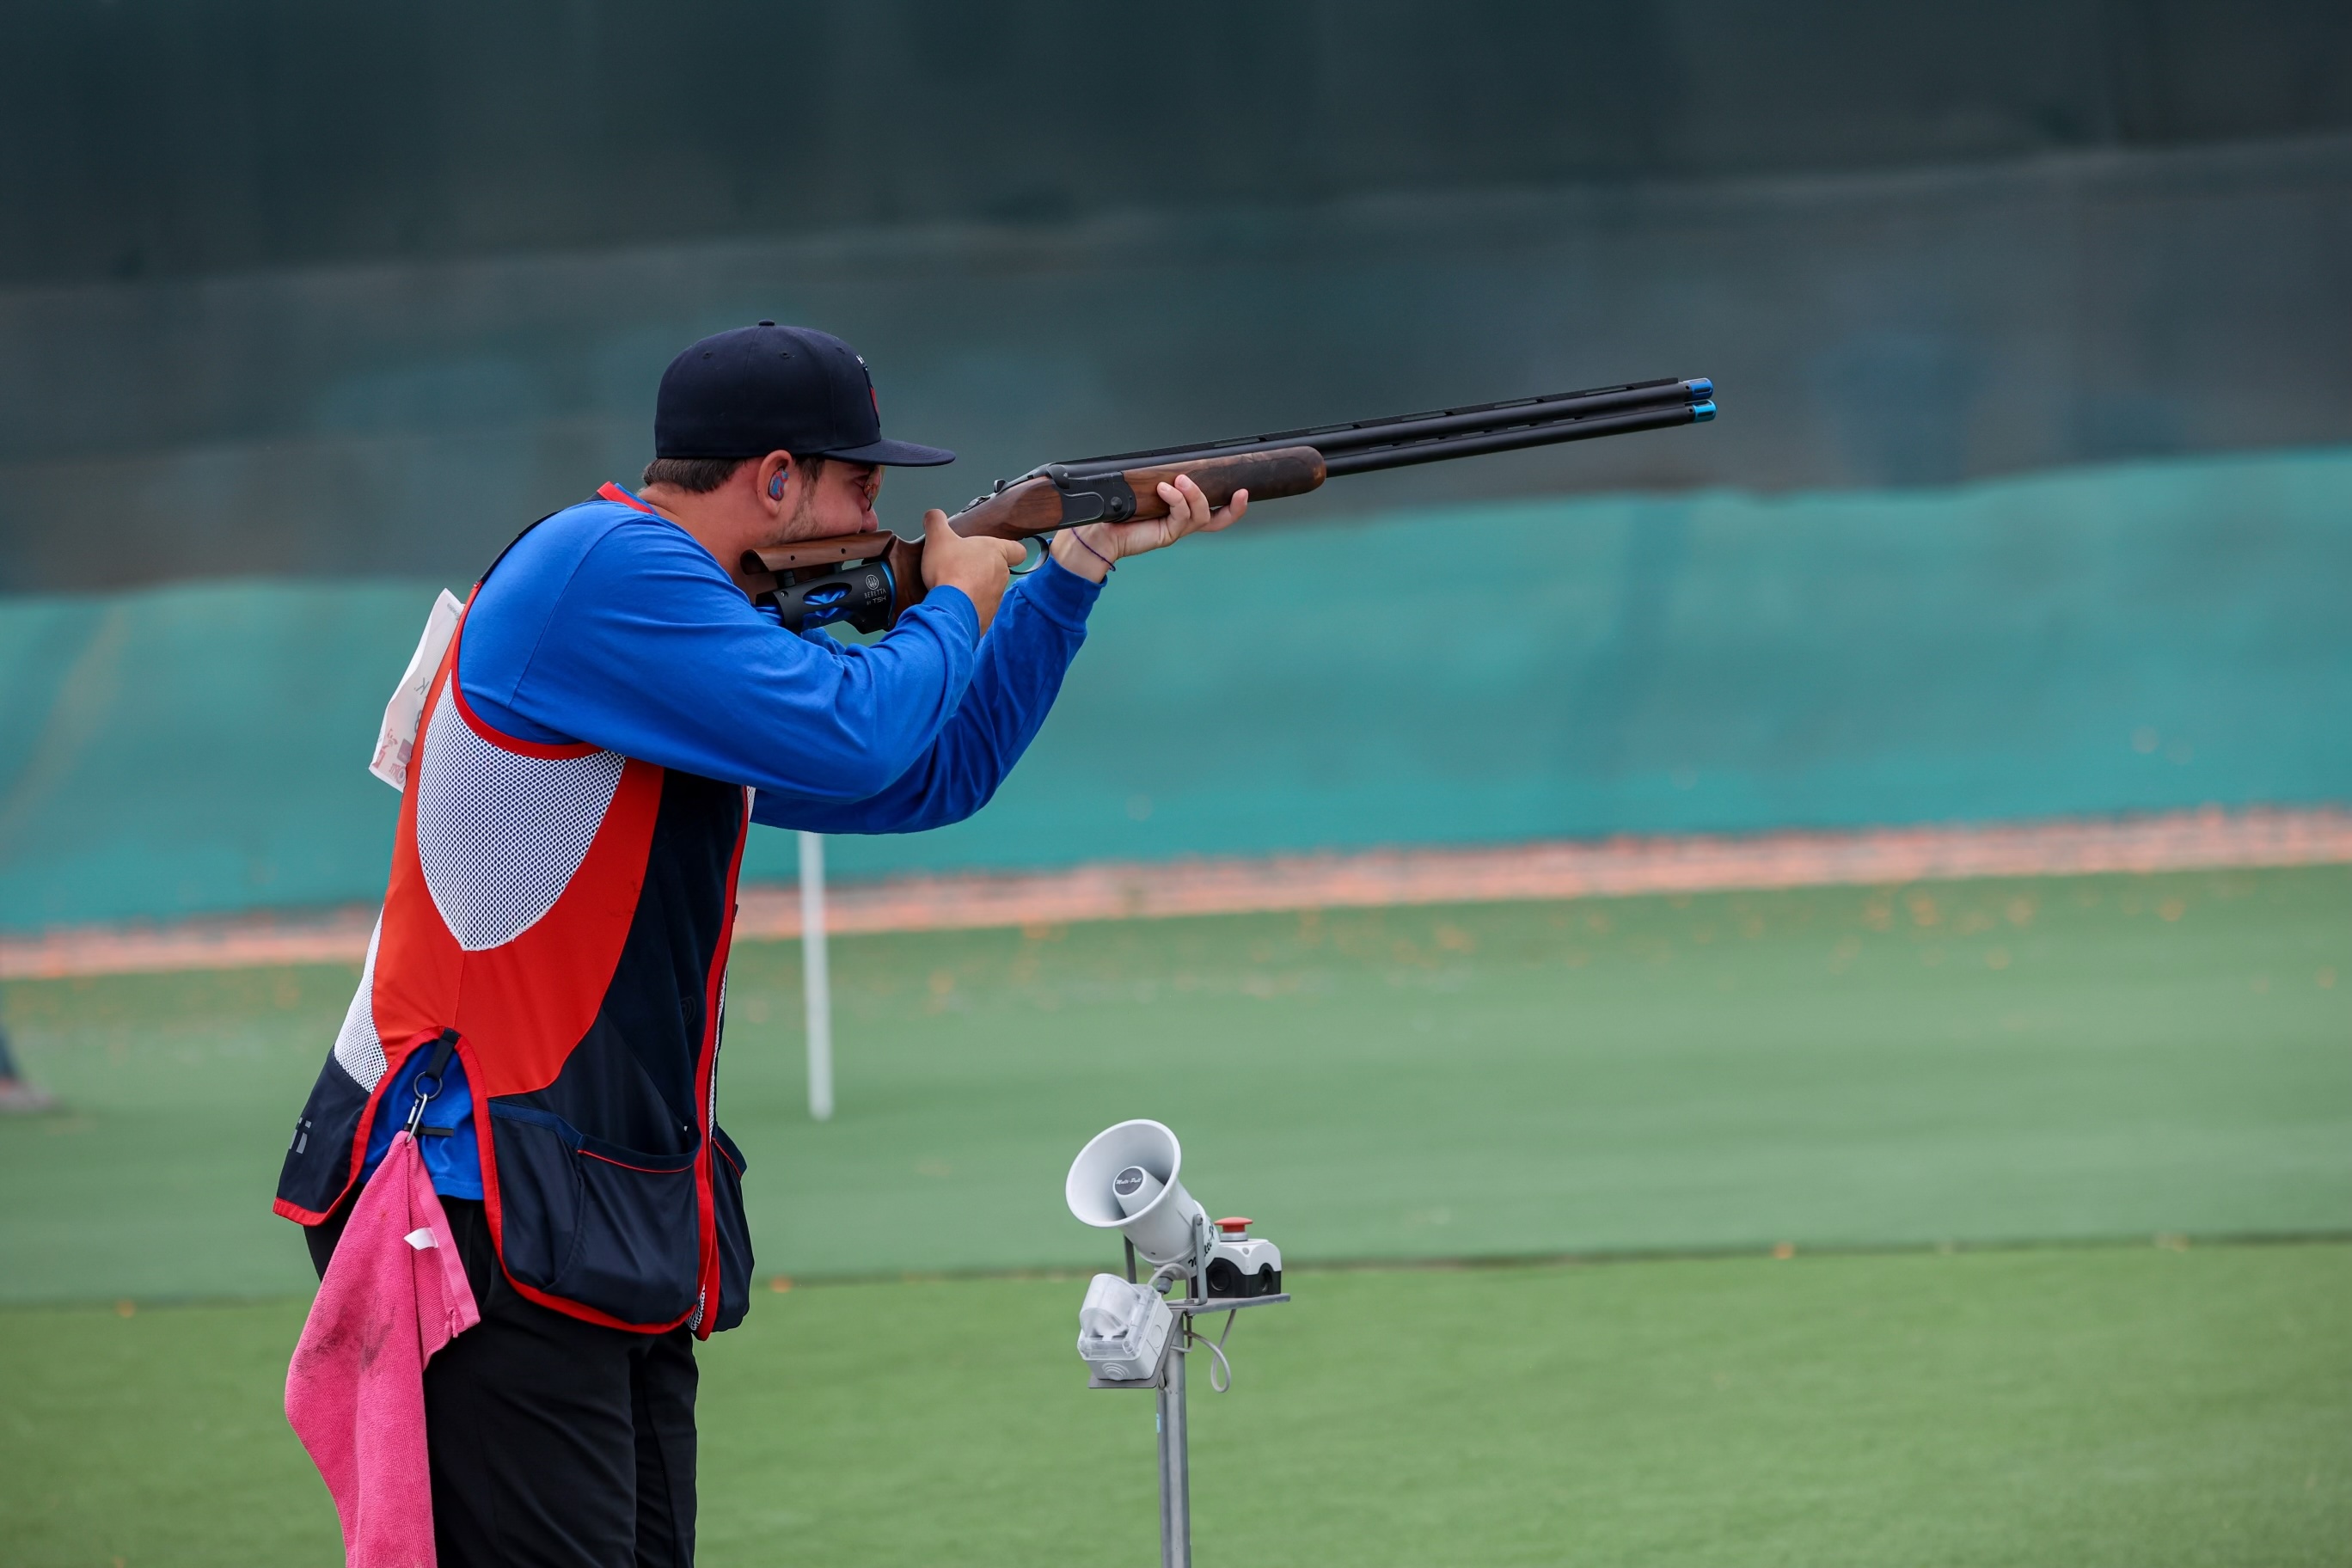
(867, 579)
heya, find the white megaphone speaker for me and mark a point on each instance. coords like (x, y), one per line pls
(1125, 1179)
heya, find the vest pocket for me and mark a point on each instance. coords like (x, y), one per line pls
(319, 1155)
(734, 1230)
(594, 1223)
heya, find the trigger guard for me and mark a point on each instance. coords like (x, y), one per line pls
(1034, 550)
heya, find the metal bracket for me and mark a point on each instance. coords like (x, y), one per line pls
(1225, 1304)
(1186, 1309)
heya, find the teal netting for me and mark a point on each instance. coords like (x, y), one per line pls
(2134, 637)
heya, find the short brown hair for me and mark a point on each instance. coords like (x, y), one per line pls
(701, 476)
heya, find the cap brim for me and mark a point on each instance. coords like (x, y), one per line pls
(896, 454)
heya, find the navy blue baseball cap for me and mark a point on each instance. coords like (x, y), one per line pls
(768, 388)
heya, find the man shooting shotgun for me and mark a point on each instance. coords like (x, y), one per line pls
(868, 582)
(542, 998)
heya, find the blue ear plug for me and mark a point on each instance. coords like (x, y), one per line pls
(776, 488)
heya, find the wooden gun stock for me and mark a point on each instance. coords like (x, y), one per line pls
(1060, 496)
(1065, 496)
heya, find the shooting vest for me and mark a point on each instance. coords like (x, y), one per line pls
(565, 912)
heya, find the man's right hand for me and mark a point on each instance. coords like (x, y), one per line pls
(981, 567)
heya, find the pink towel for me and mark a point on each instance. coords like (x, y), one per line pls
(394, 1293)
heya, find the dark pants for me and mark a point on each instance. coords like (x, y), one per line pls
(553, 1442)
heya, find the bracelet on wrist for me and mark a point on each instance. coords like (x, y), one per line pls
(1108, 565)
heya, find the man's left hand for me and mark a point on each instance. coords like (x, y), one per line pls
(1090, 550)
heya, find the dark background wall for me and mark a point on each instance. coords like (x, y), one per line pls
(168, 138)
(331, 289)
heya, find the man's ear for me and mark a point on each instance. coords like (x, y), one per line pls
(775, 474)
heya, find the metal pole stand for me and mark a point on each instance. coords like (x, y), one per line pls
(1166, 1381)
(1175, 1456)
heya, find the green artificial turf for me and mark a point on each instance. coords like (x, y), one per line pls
(2006, 1060)
(2096, 1406)
(1975, 1061)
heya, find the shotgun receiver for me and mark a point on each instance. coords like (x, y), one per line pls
(867, 579)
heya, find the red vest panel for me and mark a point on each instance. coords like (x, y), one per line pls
(566, 912)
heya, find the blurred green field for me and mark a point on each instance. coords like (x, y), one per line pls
(1976, 1061)
(2082, 1065)
(2085, 1406)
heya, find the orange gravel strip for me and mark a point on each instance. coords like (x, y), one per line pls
(1148, 890)
(239, 942)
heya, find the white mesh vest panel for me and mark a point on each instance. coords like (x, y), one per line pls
(499, 834)
(357, 1050)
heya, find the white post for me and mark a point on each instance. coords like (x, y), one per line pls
(815, 980)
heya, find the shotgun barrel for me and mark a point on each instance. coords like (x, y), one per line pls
(1394, 430)
(1428, 449)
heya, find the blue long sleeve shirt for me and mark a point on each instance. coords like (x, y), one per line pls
(613, 626)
